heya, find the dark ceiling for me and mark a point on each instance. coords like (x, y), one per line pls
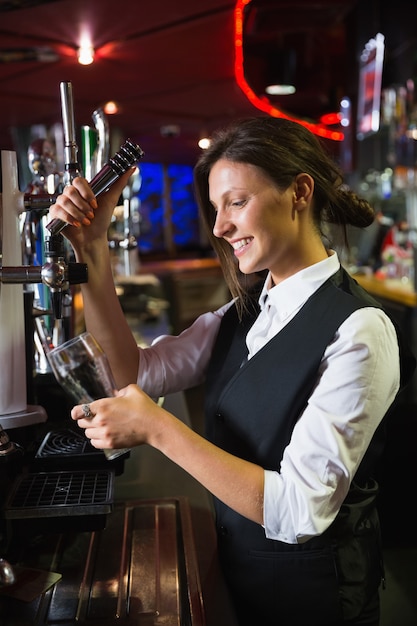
(168, 63)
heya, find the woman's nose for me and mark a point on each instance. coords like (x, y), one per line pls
(221, 225)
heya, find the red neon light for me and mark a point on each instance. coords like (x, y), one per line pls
(261, 102)
(330, 119)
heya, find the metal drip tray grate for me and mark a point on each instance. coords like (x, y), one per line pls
(66, 442)
(55, 494)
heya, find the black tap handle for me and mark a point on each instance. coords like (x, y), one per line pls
(128, 155)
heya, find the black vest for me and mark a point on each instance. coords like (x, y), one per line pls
(251, 409)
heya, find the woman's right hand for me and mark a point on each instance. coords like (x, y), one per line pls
(88, 218)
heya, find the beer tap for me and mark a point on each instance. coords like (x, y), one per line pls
(72, 166)
(55, 273)
(102, 127)
(127, 156)
(54, 270)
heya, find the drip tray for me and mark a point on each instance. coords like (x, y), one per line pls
(66, 444)
(64, 449)
(62, 497)
(141, 570)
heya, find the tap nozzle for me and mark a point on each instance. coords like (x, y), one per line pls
(57, 274)
(54, 272)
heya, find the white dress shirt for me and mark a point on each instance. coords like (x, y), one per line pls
(357, 382)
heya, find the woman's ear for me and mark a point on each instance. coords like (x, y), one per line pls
(303, 189)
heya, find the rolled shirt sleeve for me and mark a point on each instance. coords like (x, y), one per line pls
(176, 362)
(357, 382)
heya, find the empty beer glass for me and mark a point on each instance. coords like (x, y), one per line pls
(81, 368)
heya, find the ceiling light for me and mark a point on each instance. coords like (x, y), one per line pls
(86, 50)
(111, 108)
(204, 143)
(279, 90)
(85, 54)
(281, 67)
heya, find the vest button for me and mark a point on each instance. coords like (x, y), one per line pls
(220, 417)
(223, 531)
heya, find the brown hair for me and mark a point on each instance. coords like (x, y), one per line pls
(281, 149)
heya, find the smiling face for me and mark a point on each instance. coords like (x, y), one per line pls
(268, 228)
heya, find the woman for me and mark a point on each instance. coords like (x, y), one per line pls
(299, 370)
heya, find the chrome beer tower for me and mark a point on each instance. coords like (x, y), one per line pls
(56, 273)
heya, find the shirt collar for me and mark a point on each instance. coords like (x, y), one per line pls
(292, 292)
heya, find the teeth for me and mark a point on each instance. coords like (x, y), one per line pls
(240, 244)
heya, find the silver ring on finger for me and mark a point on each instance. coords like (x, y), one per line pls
(88, 413)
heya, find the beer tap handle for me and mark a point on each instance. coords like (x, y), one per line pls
(128, 155)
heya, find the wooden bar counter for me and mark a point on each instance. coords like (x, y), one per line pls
(389, 289)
